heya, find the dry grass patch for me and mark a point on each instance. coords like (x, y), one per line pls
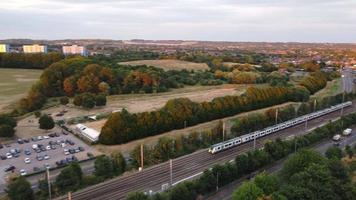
(169, 64)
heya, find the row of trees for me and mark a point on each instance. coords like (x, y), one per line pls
(7, 126)
(256, 121)
(123, 126)
(315, 82)
(251, 161)
(28, 61)
(89, 100)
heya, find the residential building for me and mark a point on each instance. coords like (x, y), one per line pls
(35, 48)
(74, 49)
(4, 48)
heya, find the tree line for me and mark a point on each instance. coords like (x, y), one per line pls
(123, 126)
(247, 163)
(257, 121)
(28, 61)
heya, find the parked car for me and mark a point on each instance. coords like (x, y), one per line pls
(48, 147)
(40, 137)
(47, 165)
(27, 152)
(9, 168)
(45, 137)
(81, 148)
(46, 157)
(27, 160)
(8, 155)
(23, 172)
(39, 157)
(3, 157)
(20, 141)
(1, 146)
(26, 140)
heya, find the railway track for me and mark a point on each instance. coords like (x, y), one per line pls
(153, 177)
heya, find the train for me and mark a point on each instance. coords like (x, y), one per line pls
(272, 129)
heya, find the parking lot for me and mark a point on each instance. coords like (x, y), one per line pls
(41, 152)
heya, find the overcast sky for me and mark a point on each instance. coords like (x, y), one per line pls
(220, 20)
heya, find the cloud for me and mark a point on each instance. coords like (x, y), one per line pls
(236, 20)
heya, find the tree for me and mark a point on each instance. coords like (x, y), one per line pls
(69, 179)
(333, 152)
(268, 183)
(46, 122)
(183, 191)
(78, 99)
(100, 100)
(64, 100)
(119, 162)
(137, 196)
(349, 151)
(103, 167)
(247, 191)
(299, 162)
(88, 100)
(6, 130)
(20, 189)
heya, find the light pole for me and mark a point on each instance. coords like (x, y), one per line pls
(141, 156)
(49, 184)
(223, 131)
(171, 171)
(217, 181)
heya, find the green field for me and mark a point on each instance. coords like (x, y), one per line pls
(14, 84)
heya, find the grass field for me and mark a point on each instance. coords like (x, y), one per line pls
(14, 84)
(332, 88)
(169, 64)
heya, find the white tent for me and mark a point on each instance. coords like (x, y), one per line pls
(88, 133)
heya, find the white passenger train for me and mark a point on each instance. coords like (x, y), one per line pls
(272, 129)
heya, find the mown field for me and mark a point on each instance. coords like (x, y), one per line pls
(169, 64)
(14, 84)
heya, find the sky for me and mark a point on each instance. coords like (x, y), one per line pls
(213, 20)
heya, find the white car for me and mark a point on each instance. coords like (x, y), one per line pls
(23, 172)
(8, 155)
(40, 138)
(34, 146)
(45, 137)
(63, 145)
(27, 160)
(48, 147)
(46, 157)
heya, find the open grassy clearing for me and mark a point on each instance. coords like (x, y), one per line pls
(332, 88)
(150, 141)
(150, 102)
(14, 84)
(169, 64)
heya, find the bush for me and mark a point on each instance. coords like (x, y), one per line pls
(46, 122)
(88, 100)
(64, 100)
(100, 100)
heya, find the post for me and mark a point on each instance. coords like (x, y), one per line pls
(254, 143)
(217, 181)
(223, 132)
(306, 125)
(343, 99)
(185, 123)
(171, 171)
(314, 105)
(276, 115)
(49, 184)
(141, 156)
(69, 196)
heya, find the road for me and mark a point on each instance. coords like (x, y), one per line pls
(226, 192)
(347, 80)
(191, 165)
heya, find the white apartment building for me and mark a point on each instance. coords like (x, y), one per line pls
(74, 49)
(4, 48)
(34, 48)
